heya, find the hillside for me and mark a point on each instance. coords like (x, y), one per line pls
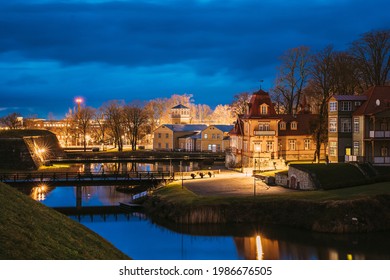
(32, 231)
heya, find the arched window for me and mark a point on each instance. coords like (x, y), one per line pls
(282, 126)
(264, 109)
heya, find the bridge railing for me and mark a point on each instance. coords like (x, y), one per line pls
(82, 176)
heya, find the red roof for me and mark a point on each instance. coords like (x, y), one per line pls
(258, 98)
(305, 124)
(378, 100)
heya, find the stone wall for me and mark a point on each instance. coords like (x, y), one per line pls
(300, 179)
(27, 149)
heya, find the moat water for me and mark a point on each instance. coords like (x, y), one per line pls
(140, 238)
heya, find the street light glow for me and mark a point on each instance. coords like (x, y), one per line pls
(79, 100)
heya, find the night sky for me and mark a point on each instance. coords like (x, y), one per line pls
(52, 51)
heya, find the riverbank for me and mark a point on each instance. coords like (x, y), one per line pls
(32, 231)
(350, 210)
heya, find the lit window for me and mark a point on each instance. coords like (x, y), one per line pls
(205, 136)
(264, 109)
(292, 145)
(332, 125)
(270, 146)
(355, 148)
(333, 148)
(307, 144)
(294, 125)
(356, 126)
(333, 106)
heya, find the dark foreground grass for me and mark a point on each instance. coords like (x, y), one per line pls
(32, 231)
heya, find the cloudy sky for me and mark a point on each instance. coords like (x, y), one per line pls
(52, 51)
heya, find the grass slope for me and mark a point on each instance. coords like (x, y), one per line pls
(32, 231)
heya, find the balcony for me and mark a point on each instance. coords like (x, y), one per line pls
(379, 134)
(264, 133)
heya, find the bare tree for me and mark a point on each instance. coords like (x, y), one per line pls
(372, 53)
(84, 117)
(135, 119)
(345, 74)
(12, 121)
(322, 84)
(102, 127)
(240, 103)
(113, 114)
(293, 76)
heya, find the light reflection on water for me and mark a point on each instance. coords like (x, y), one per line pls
(140, 238)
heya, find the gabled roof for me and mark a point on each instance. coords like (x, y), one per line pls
(349, 97)
(185, 127)
(194, 135)
(378, 100)
(224, 128)
(180, 106)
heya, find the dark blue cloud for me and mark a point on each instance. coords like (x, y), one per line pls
(222, 46)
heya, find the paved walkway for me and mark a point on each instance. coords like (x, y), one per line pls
(230, 183)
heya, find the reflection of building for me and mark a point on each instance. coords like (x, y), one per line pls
(261, 138)
(359, 127)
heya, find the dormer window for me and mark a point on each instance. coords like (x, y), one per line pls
(282, 126)
(294, 125)
(264, 109)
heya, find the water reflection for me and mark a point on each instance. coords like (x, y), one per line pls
(140, 238)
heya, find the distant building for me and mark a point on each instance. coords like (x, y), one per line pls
(171, 137)
(192, 137)
(363, 134)
(215, 138)
(180, 114)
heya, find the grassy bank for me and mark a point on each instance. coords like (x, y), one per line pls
(357, 209)
(32, 231)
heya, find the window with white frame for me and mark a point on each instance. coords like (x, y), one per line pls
(264, 126)
(307, 144)
(356, 125)
(205, 136)
(333, 148)
(293, 144)
(282, 126)
(333, 106)
(346, 106)
(355, 148)
(345, 124)
(294, 125)
(332, 125)
(264, 109)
